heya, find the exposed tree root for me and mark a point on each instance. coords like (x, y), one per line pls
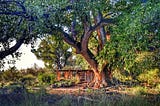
(97, 84)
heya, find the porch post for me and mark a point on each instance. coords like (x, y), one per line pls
(58, 75)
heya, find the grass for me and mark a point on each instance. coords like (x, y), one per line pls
(16, 97)
(105, 101)
(135, 96)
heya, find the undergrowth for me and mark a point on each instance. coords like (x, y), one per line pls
(17, 97)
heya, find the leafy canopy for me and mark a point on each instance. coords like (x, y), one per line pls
(135, 38)
(53, 51)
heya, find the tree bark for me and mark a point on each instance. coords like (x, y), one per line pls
(99, 79)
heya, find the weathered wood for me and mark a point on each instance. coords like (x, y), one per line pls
(66, 75)
(80, 75)
(58, 75)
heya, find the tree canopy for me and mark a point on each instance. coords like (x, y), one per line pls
(107, 34)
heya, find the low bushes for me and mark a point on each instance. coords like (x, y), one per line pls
(26, 77)
(150, 78)
(46, 78)
(63, 83)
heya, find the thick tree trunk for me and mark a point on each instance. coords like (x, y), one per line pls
(81, 46)
(99, 79)
(106, 71)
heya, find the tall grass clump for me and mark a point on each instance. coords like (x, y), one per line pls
(18, 96)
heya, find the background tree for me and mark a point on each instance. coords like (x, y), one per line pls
(53, 51)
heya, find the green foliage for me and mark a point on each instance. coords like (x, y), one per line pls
(134, 46)
(158, 87)
(53, 51)
(31, 77)
(151, 77)
(81, 62)
(121, 75)
(46, 78)
(60, 14)
(11, 74)
(65, 83)
(28, 80)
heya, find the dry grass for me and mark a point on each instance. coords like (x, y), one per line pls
(111, 96)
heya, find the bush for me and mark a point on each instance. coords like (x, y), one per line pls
(64, 83)
(121, 76)
(151, 77)
(10, 75)
(158, 87)
(46, 78)
(28, 80)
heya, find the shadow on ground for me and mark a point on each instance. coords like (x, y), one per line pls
(19, 96)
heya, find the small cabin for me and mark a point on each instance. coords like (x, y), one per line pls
(81, 75)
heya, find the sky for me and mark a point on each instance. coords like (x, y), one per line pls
(27, 59)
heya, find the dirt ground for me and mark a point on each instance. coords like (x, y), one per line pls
(77, 95)
(81, 90)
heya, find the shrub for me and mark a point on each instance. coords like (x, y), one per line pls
(151, 77)
(64, 83)
(10, 75)
(28, 80)
(158, 88)
(46, 78)
(121, 75)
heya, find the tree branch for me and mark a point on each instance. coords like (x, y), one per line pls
(103, 22)
(14, 48)
(18, 13)
(69, 40)
(89, 29)
(19, 4)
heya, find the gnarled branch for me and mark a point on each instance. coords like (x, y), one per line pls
(14, 48)
(17, 3)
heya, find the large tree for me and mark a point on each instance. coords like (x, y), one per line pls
(79, 21)
(75, 20)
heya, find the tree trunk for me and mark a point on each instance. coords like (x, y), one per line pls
(106, 71)
(104, 77)
(109, 76)
(81, 46)
(99, 79)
